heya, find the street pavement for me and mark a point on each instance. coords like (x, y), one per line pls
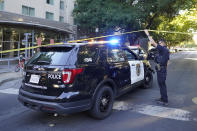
(7, 73)
(6, 68)
(134, 111)
(9, 76)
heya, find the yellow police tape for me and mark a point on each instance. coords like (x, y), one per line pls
(159, 31)
(184, 33)
(104, 36)
(7, 51)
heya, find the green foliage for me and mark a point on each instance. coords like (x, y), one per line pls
(185, 22)
(104, 14)
(128, 15)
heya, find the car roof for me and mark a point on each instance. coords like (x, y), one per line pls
(134, 47)
(76, 45)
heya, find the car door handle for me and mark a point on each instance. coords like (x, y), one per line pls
(126, 67)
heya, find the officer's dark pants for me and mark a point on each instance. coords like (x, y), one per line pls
(161, 78)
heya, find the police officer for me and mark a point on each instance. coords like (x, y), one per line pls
(162, 61)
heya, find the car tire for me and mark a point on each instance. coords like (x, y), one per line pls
(148, 80)
(102, 103)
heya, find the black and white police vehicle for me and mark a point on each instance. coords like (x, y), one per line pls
(78, 77)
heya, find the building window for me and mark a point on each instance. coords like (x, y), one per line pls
(31, 11)
(49, 16)
(62, 5)
(75, 5)
(51, 2)
(2, 5)
(61, 19)
(28, 11)
(25, 10)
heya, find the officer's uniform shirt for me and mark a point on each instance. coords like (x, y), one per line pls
(163, 57)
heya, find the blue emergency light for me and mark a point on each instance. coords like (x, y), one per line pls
(114, 41)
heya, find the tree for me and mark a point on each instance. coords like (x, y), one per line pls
(107, 15)
(186, 21)
(124, 15)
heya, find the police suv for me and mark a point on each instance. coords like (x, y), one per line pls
(78, 77)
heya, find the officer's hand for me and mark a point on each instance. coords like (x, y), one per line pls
(146, 32)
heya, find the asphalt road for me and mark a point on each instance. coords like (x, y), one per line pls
(134, 111)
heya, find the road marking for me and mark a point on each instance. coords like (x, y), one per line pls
(158, 111)
(191, 58)
(194, 100)
(163, 112)
(10, 91)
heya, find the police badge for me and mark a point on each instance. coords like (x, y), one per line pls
(138, 69)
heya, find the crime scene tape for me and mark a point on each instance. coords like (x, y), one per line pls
(93, 38)
(104, 36)
(33, 47)
(184, 33)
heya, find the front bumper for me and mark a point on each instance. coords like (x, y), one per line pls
(27, 100)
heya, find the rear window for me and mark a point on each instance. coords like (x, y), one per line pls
(51, 56)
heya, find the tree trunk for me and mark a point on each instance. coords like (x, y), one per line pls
(151, 21)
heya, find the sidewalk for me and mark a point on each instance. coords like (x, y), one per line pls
(5, 69)
(8, 74)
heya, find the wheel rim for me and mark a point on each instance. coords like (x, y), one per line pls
(105, 101)
(148, 79)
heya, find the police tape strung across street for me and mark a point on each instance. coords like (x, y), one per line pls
(93, 38)
(184, 33)
(33, 47)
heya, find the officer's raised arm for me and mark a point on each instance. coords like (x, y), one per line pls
(150, 38)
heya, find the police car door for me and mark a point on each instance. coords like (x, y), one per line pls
(118, 67)
(136, 67)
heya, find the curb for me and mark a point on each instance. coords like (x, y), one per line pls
(9, 79)
(6, 72)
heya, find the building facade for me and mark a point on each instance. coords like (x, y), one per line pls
(46, 21)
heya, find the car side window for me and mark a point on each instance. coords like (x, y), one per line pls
(130, 55)
(87, 55)
(115, 55)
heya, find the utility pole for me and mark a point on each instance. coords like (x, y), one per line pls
(32, 38)
(26, 43)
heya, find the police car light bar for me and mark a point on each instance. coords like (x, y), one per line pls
(112, 42)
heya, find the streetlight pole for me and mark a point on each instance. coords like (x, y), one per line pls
(26, 42)
(97, 30)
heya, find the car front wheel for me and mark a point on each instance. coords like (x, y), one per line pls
(148, 80)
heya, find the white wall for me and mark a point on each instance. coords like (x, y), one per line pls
(68, 11)
(15, 6)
